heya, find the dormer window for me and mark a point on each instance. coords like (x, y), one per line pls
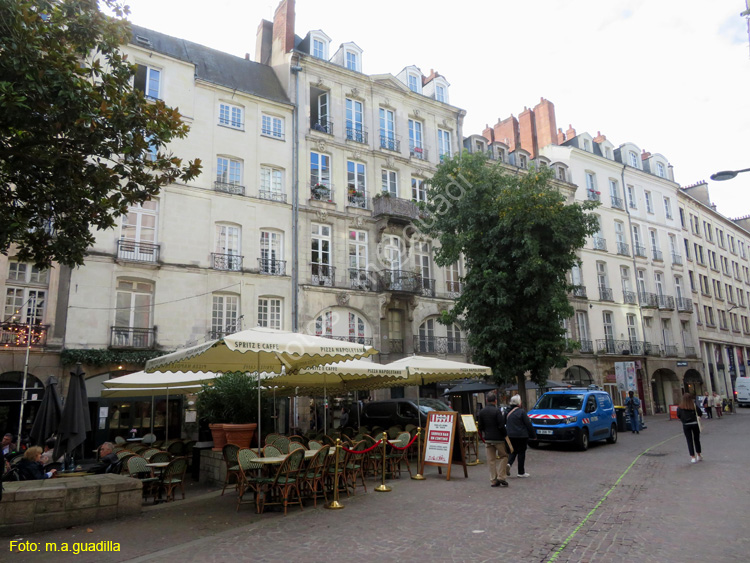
(586, 145)
(660, 171)
(319, 42)
(633, 159)
(415, 84)
(440, 93)
(352, 61)
(319, 49)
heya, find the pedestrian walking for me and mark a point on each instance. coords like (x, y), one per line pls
(707, 406)
(718, 403)
(491, 424)
(633, 405)
(688, 414)
(520, 430)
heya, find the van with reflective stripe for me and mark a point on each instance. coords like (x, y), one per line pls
(574, 415)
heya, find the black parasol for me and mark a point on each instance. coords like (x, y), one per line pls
(47, 418)
(74, 421)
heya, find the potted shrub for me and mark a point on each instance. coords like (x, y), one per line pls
(238, 393)
(211, 410)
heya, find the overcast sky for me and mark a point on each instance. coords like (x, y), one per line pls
(671, 76)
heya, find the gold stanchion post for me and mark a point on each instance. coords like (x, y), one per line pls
(419, 476)
(383, 488)
(335, 504)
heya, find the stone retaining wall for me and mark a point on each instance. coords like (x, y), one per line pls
(32, 506)
(213, 469)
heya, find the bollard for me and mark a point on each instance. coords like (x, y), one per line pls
(335, 504)
(419, 476)
(383, 488)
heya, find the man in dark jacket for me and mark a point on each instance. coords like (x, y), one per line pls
(106, 458)
(491, 423)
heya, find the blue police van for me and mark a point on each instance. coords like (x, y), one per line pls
(574, 415)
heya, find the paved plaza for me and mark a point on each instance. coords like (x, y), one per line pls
(639, 499)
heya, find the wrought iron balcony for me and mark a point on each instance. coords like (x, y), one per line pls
(690, 352)
(401, 280)
(677, 259)
(657, 254)
(649, 299)
(16, 335)
(392, 346)
(617, 202)
(129, 337)
(651, 349)
(665, 301)
(323, 125)
(639, 250)
(356, 134)
(272, 267)
(137, 251)
(620, 347)
(605, 294)
(428, 287)
(431, 345)
(629, 297)
(322, 274)
(593, 195)
(365, 340)
(232, 262)
(671, 350)
(623, 249)
(684, 305)
(389, 142)
(600, 243)
(362, 279)
(321, 191)
(418, 152)
(453, 289)
(229, 188)
(356, 198)
(272, 196)
(394, 207)
(579, 291)
(587, 347)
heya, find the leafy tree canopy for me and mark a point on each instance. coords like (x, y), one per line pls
(77, 142)
(519, 238)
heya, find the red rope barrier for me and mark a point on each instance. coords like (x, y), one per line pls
(375, 445)
(406, 447)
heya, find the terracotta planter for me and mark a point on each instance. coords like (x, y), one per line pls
(220, 438)
(240, 434)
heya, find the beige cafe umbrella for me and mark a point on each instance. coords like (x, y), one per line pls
(259, 350)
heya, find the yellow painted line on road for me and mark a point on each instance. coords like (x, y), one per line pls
(601, 501)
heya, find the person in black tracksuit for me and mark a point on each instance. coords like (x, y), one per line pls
(491, 424)
(689, 413)
(520, 430)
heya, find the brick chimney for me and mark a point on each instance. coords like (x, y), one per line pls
(283, 27)
(527, 131)
(508, 129)
(570, 133)
(645, 155)
(489, 134)
(546, 125)
(599, 137)
(560, 136)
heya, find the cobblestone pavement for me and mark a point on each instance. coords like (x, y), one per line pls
(640, 498)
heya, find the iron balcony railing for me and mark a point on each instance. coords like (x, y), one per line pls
(129, 337)
(453, 289)
(321, 191)
(587, 347)
(600, 243)
(322, 274)
(272, 196)
(639, 250)
(356, 134)
(231, 262)
(649, 299)
(403, 281)
(617, 202)
(665, 301)
(690, 352)
(428, 287)
(623, 249)
(16, 335)
(362, 279)
(229, 188)
(395, 207)
(620, 347)
(657, 255)
(430, 345)
(629, 297)
(272, 267)
(651, 349)
(418, 152)
(137, 251)
(684, 304)
(357, 199)
(323, 125)
(605, 294)
(677, 259)
(671, 350)
(593, 195)
(392, 346)
(389, 142)
(579, 291)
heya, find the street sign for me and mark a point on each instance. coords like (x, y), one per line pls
(682, 364)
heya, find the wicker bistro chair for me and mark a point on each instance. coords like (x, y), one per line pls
(355, 467)
(149, 439)
(247, 480)
(148, 453)
(176, 448)
(229, 452)
(138, 470)
(124, 462)
(296, 438)
(157, 444)
(395, 457)
(313, 478)
(271, 438)
(296, 446)
(271, 451)
(331, 471)
(160, 457)
(123, 453)
(373, 459)
(282, 444)
(173, 476)
(119, 440)
(315, 445)
(285, 483)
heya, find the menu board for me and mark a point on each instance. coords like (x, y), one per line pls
(440, 439)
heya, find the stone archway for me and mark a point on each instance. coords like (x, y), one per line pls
(693, 382)
(578, 376)
(665, 389)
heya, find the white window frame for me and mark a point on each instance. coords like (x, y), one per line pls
(351, 60)
(270, 312)
(272, 126)
(271, 252)
(649, 202)
(231, 116)
(229, 170)
(417, 85)
(441, 93)
(134, 306)
(225, 312)
(229, 245)
(444, 143)
(418, 189)
(633, 156)
(271, 183)
(153, 75)
(320, 244)
(389, 181)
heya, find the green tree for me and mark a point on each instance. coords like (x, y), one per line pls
(519, 238)
(78, 144)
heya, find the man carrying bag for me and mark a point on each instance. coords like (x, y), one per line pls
(491, 424)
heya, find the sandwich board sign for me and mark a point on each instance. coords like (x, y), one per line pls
(443, 444)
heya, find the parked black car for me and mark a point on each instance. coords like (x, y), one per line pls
(397, 412)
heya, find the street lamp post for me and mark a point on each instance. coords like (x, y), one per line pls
(727, 174)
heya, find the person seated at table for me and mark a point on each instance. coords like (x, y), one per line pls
(49, 452)
(107, 457)
(31, 468)
(7, 446)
